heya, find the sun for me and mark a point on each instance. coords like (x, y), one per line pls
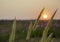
(45, 16)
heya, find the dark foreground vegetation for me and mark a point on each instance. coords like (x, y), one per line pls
(22, 27)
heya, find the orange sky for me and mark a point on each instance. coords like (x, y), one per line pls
(27, 9)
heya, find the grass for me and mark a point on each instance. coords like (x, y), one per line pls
(12, 35)
(45, 32)
(29, 31)
(32, 28)
(37, 20)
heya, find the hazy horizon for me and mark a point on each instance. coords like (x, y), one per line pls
(27, 9)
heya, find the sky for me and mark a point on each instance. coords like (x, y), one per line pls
(27, 9)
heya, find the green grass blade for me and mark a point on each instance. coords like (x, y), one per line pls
(32, 27)
(45, 32)
(37, 20)
(49, 24)
(49, 38)
(12, 35)
(29, 31)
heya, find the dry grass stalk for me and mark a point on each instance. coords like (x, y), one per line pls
(29, 31)
(12, 35)
(45, 32)
(37, 20)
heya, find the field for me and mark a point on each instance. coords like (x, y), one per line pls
(22, 27)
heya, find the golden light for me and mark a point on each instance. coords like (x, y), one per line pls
(45, 16)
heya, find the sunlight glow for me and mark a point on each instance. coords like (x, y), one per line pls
(45, 16)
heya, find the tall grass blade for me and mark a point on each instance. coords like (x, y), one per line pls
(45, 32)
(29, 31)
(33, 26)
(37, 20)
(49, 38)
(49, 24)
(12, 35)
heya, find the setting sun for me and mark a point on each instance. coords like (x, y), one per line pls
(45, 16)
